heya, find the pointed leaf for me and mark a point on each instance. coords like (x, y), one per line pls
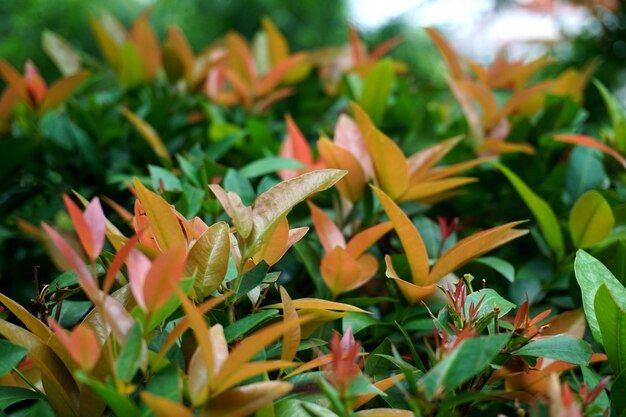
(148, 133)
(89, 226)
(337, 157)
(319, 304)
(612, 324)
(562, 348)
(410, 239)
(363, 240)
(450, 57)
(242, 401)
(413, 293)
(32, 323)
(163, 221)
(472, 247)
(271, 206)
(376, 89)
(15, 81)
(544, 214)
(590, 220)
(208, 259)
(295, 146)
(61, 90)
(162, 407)
(64, 56)
(591, 142)
(291, 338)
(147, 43)
(110, 35)
(329, 234)
(390, 164)
(164, 274)
(339, 270)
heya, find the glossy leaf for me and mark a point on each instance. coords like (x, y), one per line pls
(82, 344)
(466, 361)
(271, 206)
(612, 324)
(163, 222)
(162, 407)
(562, 347)
(544, 214)
(242, 401)
(591, 142)
(410, 239)
(295, 146)
(291, 338)
(389, 162)
(363, 240)
(11, 355)
(591, 219)
(329, 234)
(472, 247)
(376, 89)
(591, 274)
(319, 304)
(334, 156)
(208, 259)
(90, 225)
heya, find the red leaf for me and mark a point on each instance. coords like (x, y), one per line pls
(35, 84)
(295, 146)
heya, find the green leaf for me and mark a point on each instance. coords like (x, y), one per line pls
(359, 321)
(268, 165)
(208, 259)
(251, 279)
(243, 326)
(271, 206)
(240, 185)
(618, 402)
(120, 404)
(376, 365)
(376, 90)
(612, 323)
(131, 70)
(562, 347)
(590, 220)
(11, 355)
(13, 395)
(490, 298)
(591, 274)
(501, 266)
(617, 113)
(130, 358)
(298, 408)
(465, 362)
(585, 171)
(544, 214)
(164, 179)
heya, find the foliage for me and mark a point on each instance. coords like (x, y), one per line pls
(194, 282)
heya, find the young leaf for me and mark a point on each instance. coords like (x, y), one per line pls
(149, 134)
(64, 56)
(271, 206)
(329, 234)
(376, 89)
(208, 259)
(291, 338)
(90, 226)
(612, 324)
(544, 214)
(410, 238)
(82, 345)
(590, 220)
(162, 407)
(591, 274)
(592, 143)
(242, 401)
(335, 156)
(61, 90)
(163, 221)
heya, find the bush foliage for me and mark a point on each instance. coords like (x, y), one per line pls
(449, 259)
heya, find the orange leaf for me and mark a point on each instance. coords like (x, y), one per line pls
(89, 226)
(383, 385)
(147, 43)
(356, 47)
(474, 121)
(110, 35)
(348, 136)
(352, 185)
(148, 133)
(592, 143)
(272, 250)
(253, 369)
(339, 270)
(278, 74)
(472, 247)
(329, 234)
(390, 164)
(295, 146)
(35, 84)
(164, 274)
(319, 304)
(429, 189)
(410, 239)
(413, 293)
(236, 210)
(447, 171)
(82, 344)
(15, 82)
(485, 98)
(363, 240)
(118, 261)
(163, 221)
(450, 57)
(382, 48)
(177, 42)
(163, 407)
(61, 90)
(420, 162)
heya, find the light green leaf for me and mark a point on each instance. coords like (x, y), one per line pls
(131, 70)
(268, 165)
(590, 220)
(544, 214)
(465, 362)
(490, 298)
(208, 259)
(501, 266)
(64, 56)
(271, 206)
(164, 179)
(591, 274)
(376, 89)
(563, 348)
(612, 323)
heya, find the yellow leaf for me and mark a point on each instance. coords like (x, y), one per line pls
(148, 133)
(163, 221)
(390, 165)
(277, 44)
(410, 239)
(110, 35)
(319, 304)
(429, 189)
(338, 270)
(250, 370)
(363, 240)
(352, 185)
(413, 293)
(291, 338)
(329, 234)
(208, 259)
(472, 247)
